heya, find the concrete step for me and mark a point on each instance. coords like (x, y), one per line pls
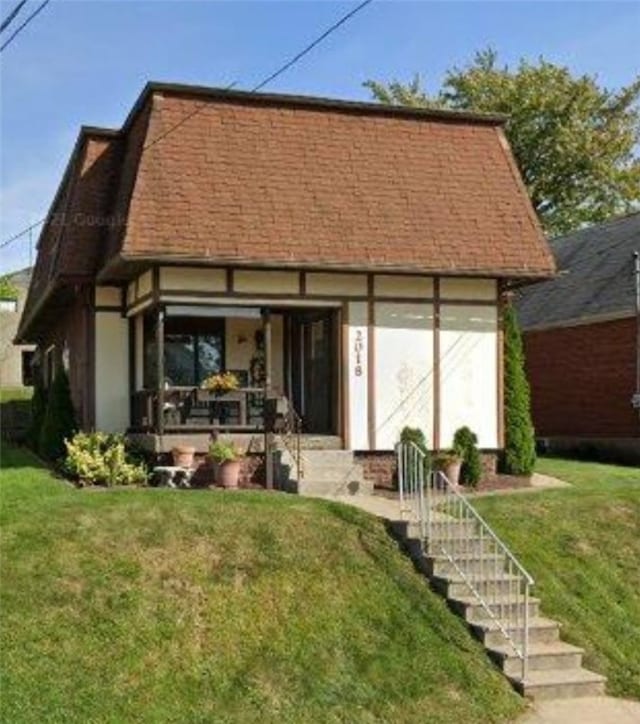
(471, 563)
(443, 526)
(493, 583)
(542, 657)
(469, 608)
(460, 545)
(334, 472)
(560, 684)
(541, 630)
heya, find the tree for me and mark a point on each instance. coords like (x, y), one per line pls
(574, 141)
(520, 446)
(38, 411)
(8, 289)
(59, 419)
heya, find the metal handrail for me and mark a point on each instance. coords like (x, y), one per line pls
(478, 556)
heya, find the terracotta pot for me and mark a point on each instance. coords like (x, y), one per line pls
(452, 471)
(183, 455)
(228, 473)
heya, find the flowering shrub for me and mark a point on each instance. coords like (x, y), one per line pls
(223, 382)
(98, 458)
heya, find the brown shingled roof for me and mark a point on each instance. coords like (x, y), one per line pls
(210, 176)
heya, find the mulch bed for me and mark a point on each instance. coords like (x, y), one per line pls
(488, 484)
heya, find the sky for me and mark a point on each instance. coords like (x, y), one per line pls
(85, 62)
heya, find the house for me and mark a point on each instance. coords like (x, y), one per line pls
(349, 257)
(15, 360)
(581, 336)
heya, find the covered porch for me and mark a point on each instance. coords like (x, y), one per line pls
(282, 358)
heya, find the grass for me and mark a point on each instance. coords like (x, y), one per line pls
(199, 606)
(582, 545)
(9, 394)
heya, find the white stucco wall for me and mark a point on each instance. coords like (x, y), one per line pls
(112, 372)
(356, 376)
(192, 279)
(469, 372)
(342, 285)
(403, 351)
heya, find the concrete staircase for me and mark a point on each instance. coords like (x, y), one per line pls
(554, 667)
(322, 473)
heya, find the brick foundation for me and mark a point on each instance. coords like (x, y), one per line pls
(381, 469)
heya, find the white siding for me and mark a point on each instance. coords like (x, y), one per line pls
(469, 372)
(112, 372)
(357, 376)
(403, 350)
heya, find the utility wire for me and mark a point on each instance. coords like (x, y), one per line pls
(282, 69)
(9, 19)
(13, 238)
(20, 28)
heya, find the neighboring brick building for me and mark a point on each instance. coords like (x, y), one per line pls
(581, 343)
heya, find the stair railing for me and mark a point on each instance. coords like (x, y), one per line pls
(451, 527)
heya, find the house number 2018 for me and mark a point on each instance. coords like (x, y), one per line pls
(358, 347)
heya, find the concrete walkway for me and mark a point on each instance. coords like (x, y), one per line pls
(586, 710)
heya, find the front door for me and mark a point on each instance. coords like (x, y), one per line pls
(312, 362)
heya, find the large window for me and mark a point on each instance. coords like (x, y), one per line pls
(193, 350)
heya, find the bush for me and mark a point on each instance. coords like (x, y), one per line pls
(417, 437)
(98, 458)
(38, 410)
(465, 444)
(519, 456)
(59, 421)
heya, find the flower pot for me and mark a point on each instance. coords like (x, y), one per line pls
(183, 455)
(228, 473)
(452, 471)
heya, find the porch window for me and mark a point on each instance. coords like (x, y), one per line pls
(193, 350)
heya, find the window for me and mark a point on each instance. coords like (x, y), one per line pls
(8, 305)
(28, 360)
(193, 350)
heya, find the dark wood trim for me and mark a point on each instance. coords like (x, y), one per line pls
(371, 357)
(286, 296)
(228, 280)
(303, 284)
(91, 322)
(268, 437)
(155, 284)
(149, 296)
(160, 368)
(345, 421)
(436, 364)
(336, 372)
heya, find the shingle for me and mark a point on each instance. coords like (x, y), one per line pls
(596, 276)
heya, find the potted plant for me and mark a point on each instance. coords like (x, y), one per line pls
(227, 460)
(183, 455)
(221, 382)
(449, 462)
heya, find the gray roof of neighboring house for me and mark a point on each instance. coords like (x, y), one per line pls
(595, 276)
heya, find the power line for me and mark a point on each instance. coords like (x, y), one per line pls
(282, 69)
(8, 20)
(20, 28)
(312, 45)
(22, 233)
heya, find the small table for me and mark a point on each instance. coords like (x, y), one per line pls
(173, 476)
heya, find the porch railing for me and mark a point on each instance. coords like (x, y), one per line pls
(451, 527)
(190, 408)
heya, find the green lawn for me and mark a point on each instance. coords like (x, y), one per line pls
(582, 545)
(9, 394)
(169, 606)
